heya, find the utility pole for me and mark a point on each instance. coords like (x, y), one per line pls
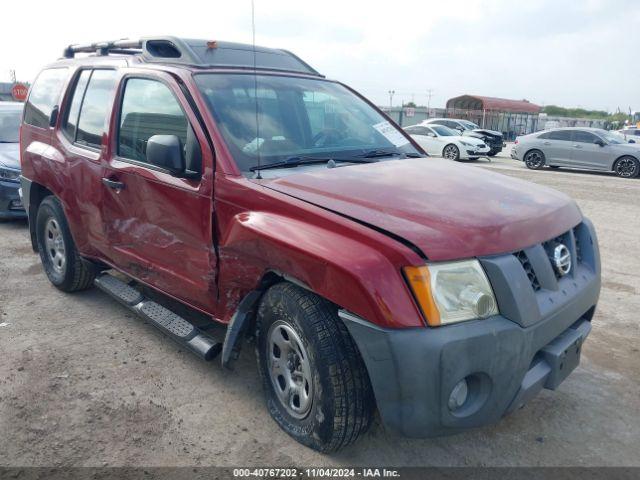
(429, 95)
(391, 94)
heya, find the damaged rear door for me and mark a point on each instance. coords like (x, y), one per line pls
(159, 225)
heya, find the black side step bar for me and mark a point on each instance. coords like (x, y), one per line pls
(164, 319)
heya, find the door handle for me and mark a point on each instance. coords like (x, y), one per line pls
(113, 184)
(546, 143)
(577, 146)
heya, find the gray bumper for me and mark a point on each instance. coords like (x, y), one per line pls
(10, 205)
(506, 361)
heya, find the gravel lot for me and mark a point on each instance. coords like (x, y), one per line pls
(84, 383)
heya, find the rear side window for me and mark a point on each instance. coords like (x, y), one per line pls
(71, 121)
(149, 108)
(95, 108)
(417, 130)
(564, 135)
(44, 96)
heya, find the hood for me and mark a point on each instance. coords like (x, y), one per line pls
(10, 155)
(629, 147)
(482, 131)
(447, 210)
(470, 139)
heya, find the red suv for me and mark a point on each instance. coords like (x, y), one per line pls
(241, 183)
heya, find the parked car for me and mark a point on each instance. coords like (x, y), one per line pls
(583, 148)
(442, 141)
(493, 139)
(10, 203)
(630, 134)
(287, 208)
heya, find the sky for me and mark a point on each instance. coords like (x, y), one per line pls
(580, 53)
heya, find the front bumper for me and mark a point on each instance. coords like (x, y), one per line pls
(477, 152)
(507, 359)
(10, 202)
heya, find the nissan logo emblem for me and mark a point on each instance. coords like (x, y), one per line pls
(562, 259)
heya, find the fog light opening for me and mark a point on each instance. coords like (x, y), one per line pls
(469, 395)
(458, 395)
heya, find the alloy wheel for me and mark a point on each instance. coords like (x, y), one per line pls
(534, 160)
(627, 167)
(450, 152)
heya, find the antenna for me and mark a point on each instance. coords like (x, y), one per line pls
(255, 86)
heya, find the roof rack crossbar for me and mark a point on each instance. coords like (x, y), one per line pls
(103, 48)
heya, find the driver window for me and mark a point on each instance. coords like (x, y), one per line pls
(581, 136)
(150, 108)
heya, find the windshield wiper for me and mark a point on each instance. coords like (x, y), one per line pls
(297, 161)
(386, 153)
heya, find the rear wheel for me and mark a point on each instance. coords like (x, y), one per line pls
(626, 167)
(534, 159)
(316, 385)
(451, 152)
(63, 265)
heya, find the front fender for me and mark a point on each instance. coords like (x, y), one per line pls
(348, 268)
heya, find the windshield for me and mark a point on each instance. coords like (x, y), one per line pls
(10, 125)
(443, 131)
(469, 125)
(296, 117)
(612, 137)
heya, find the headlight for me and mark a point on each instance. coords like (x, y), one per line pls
(9, 174)
(452, 292)
(466, 144)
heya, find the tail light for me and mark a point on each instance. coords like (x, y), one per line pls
(516, 142)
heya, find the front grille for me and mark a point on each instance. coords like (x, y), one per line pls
(578, 246)
(576, 241)
(528, 269)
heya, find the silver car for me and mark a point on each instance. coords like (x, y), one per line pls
(583, 148)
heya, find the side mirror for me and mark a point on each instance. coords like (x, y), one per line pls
(53, 118)
(165, 151)
(431, 134)
(600, 142)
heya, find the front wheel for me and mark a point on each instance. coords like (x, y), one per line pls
(316, 385)
(63, 265)
(627, 167)
(534, 160)
(451, 152)
(493, 153)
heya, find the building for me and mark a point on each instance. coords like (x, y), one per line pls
(511, 117)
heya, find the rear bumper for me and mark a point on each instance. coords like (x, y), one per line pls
(505, 361)
(10, 203)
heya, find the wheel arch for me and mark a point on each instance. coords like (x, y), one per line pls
(37, 193)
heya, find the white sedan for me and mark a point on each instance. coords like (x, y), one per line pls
(438, 140)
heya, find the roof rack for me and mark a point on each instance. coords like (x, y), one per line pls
(199, 53)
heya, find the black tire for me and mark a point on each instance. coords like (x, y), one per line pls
(554, 167)
(627, 167)
(493, 153)
(340, 401)
(451, 152)
(534, 159)
(73, 273)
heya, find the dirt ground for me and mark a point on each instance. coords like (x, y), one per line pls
(85, 383)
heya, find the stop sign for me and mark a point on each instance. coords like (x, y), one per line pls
(19, 92)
